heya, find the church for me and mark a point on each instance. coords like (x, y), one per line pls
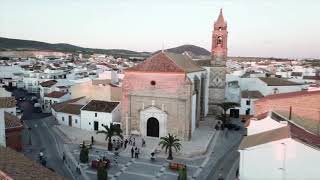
(171, 93)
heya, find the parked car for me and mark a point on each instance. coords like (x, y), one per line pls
(18, 110)
(230, 126)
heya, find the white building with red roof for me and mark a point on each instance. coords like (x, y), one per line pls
(285, 136)
(54, 97)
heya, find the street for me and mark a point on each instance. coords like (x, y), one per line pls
(42, 139)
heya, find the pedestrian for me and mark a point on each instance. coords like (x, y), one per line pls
(130, 139)
(78, 168)
(132, 151)
(63, 156)
(136, 153)
(220, 177)
(41, 155)
(134, 142)
(125, 143)
(143, 143)
(92, 140)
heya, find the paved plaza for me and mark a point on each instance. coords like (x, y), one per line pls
(202, 166)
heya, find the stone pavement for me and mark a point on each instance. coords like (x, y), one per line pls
(126, 168)
(199, 166)
(197, 146)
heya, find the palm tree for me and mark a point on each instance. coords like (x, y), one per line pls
(112, 130)
(170, 142)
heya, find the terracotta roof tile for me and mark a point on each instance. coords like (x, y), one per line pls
(251, 94)
(7, 102)
(290, 95)
(265, 137)
(58, 106)
(100, 106)
(167, 62)
(56, 94)
(278, 82)
(48, 83)
(71, 109)
(17, 166)
(4, 176)
(11, 121)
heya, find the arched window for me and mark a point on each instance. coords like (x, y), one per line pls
(219, 42)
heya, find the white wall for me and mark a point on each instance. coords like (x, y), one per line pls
(264, 161)
(63, 118)
(2, 129)
(191, 76)
(255, 84)
(244, 106)
(193, 113)
(8, 71)
(266, 124)
(4, 93)
(116, 114)
(88, 118)
(47, 104)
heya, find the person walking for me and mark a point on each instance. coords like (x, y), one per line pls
(220, 177)
(63, 157)
(143, 143)
(134, 142)
(136, 153)
(92, 140)
(125, 143)
(132, 152)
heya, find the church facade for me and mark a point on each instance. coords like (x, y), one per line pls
(171, 93)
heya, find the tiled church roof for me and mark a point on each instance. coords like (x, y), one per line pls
(167, 62)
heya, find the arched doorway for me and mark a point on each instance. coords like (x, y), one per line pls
(153, 127)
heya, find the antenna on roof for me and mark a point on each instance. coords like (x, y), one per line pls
(162, 47)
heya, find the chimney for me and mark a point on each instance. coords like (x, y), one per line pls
(114, 77)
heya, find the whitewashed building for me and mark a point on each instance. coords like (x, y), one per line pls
(54, 97)
(278, 149)
(98, 113)
(69, 115)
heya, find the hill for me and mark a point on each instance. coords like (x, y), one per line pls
(194, 50)
(7, 44)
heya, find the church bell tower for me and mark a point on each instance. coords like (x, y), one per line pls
(219, 41)
(217, 77)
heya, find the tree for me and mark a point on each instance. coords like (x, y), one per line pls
(112, 130)
(168, 143)
(102, 173)
(84, 154)
(182, 174)
(225, 106)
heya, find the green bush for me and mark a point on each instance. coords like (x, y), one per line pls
(84, 154)
(182, 174)
(102, 173)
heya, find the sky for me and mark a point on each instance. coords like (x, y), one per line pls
(265, 28)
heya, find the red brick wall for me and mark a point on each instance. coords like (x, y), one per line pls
(306, 105)
(13, 138)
